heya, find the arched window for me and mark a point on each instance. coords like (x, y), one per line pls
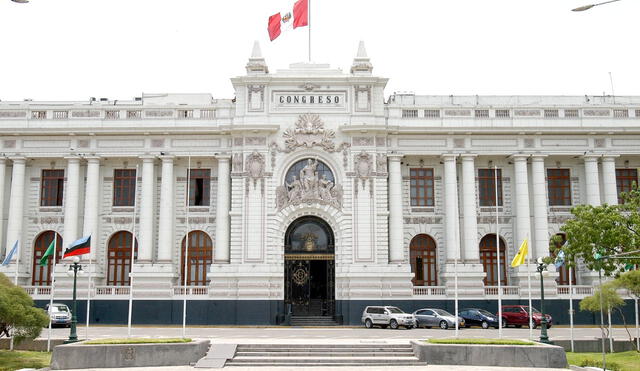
(422, 251)
(119, 258)
(563, 272)
(200, 257)
(489, 259)
(42, 274)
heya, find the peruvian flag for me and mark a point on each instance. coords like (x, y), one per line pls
(300, 19)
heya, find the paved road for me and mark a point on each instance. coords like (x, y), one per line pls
(315, 334)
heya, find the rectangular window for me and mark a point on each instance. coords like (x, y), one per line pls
(421, 187)
(432, 113)
(410, 113)
(551, 113)
(52, 188)
(625, 178)
(482, 113)
(571, 113)
(487, 187)
(502, 113)
(199, 187)
(124, 187)
(559, 186)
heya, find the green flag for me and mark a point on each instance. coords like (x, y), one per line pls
(49, 252)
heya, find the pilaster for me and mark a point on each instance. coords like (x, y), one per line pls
(540, 211)
(145, 248)
(92, 205)
(609, 179)
(16, 204)
(469, 209)
(221, 250)
(167, 210)
(396, 247)
(71, 201)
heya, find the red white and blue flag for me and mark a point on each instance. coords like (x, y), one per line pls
(300, 19)
(79, 247)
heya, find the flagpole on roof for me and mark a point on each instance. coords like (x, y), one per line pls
(133, 253)
(309, 21)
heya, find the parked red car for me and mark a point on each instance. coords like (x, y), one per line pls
(518, 315)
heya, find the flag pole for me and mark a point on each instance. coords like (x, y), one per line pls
(529, 286)
(495, 172)
(53, 285)
(86, 328)
(131, 261)
(455, 268)
(15, 282)
(309, 21)
(571, 305)
(186, 253)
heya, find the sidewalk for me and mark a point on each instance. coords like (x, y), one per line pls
(428, 368)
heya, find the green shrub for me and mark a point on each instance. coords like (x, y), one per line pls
(590, 362)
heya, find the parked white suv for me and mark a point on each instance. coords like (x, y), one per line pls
(59, 314)
(387, 316)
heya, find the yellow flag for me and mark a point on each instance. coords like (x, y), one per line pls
(521, 255)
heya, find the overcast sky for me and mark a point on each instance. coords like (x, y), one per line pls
(76, 49)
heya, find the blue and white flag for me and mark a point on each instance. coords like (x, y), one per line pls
(7, 259)
(559, 259)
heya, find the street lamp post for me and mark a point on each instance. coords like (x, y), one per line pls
(544, 338)
(74, 270)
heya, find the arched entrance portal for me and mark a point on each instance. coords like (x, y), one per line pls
(309, 277)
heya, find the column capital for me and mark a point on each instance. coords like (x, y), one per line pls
(72, 158)
(538, 157)
(18, 159)
(520, 156)
(609, 158)
(395, 156)
(449, 156)
(468, 156)
(167, 158)
(94, 159)
(223, 157)
(147, 158)
(591, 157)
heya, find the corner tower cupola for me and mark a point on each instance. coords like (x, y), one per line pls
(256, 64)
(361, 63)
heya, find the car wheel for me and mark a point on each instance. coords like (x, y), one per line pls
(368, 323)
(444, 325)
(393, 324)
(534, 326)
(505, 324)
(485, 325)
(417, 324)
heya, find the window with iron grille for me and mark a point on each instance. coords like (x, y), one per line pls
(487, 187)
(551, 113)
(136, 114)
(60, 115)
(52, 188)
(119, 258)
(571, 113)
(199, 187)
(482, 113)
(200, 252)
(422, 251)
(124, 187)
(502, 113)
(620, 113)
(112, 115)
(409, 113)
(625, 178)
(432, 113)
(421, 187)
(489, 259)
(559, 187)
(39, 115)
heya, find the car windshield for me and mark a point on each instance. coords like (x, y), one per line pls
(443, 312)
(394, 310)
(486, 313)
(60, 308)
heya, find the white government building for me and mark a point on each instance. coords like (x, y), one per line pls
(308, 194)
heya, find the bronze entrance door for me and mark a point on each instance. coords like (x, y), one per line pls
(309, 269)
(309, 285)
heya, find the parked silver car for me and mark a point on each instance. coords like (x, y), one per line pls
(387, 316)
(59, 314)
(431, 317)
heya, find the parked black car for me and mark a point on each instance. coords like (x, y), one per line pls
(479, 317)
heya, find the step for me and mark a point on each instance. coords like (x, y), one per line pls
(316, 359)
(344, 364)
(324, 346)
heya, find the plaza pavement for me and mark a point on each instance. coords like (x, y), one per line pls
(410, 368)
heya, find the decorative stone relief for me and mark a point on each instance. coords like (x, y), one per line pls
(158, 113)
(309, 131)
(363, 165)
(362, 141)
(309, 188)
(238, 141)
(458, 143)
(9, 143)
(599, 143)
(237, 162)
(157, 143)
(86, 114)
(422, 220)
(256, 141)
(380, 142)
(256, 97)
(84, 143)
(255, 166)
(381, 163)
(529, 143)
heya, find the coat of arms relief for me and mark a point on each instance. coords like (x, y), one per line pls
(309, 132)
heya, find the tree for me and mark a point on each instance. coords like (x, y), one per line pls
(611, 301)
(629, 281)
(17, 313)
(597, 231)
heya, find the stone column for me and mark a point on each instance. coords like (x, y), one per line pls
(541, 224)
(523, 212)
(609, 179)
(92, 204)
(469, 209)
(396, 228)
(592, 180)
(16, 204)
(167, 209)
(450, 204)
(71, 201)
(222, 248)
(3, 172)
(145, 247)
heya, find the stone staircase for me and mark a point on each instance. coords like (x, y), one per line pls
(313, 321)
(323, 355)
